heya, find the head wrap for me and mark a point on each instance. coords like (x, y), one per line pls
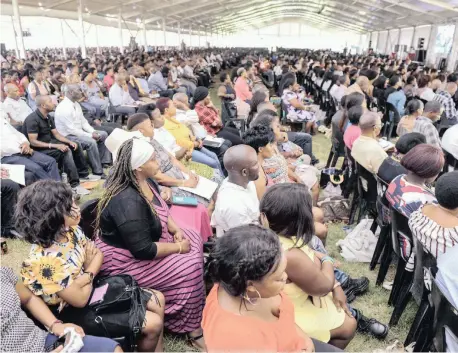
(141, 149)
(200, 94)
(141, 153)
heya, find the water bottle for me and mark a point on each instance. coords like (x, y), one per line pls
(64, 178)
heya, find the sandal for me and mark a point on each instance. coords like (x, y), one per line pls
(192, 341)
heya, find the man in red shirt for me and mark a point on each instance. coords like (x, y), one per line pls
(108, 80)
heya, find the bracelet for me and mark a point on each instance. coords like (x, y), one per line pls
(179, 244)
(49, 146)
(57, 321)
(327, 259)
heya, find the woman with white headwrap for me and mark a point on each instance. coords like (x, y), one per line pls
(139, 237)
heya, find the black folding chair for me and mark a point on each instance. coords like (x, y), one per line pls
(426, 267)
(434, 315)
(391, 119)
(450, 162)
(383, 221)
(443, 125)
(400, 292)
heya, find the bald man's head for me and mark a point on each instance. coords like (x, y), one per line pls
(241, 163)
(12, 91)
(45, 102)
(363, 82)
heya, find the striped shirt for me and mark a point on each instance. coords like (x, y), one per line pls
(425, 126)
(435, 238)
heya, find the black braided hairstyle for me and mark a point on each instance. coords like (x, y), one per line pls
(245, 253)
(121, 177)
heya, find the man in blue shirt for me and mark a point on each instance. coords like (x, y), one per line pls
(157, 82)
(395, 95)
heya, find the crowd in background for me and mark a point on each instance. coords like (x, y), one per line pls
(140, 121)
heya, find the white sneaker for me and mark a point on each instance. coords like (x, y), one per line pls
(91, 177)
(81, 191)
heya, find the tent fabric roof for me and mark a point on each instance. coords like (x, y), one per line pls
(219, 16)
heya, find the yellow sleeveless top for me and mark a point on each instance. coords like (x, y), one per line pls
(316, 316)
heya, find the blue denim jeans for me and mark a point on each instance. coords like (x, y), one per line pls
(207, 157)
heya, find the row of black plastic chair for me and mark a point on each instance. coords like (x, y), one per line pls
(435, 311)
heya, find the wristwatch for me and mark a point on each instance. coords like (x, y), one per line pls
(91, 275)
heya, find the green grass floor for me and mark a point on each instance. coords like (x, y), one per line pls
(373, 303)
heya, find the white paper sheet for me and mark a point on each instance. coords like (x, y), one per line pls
(16, 172)
(205, 188)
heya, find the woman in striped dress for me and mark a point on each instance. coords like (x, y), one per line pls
(139, 237)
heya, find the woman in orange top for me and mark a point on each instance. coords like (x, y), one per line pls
(246, 309)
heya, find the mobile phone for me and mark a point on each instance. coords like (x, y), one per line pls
(61, 341)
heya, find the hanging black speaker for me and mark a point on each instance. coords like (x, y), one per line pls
(420, 55)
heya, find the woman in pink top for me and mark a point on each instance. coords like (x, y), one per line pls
(242, 90)
(353, 131)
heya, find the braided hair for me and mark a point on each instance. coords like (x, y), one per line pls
(245, 253)
(121, 177)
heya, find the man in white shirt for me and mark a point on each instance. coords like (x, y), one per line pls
(237, 203)
(339, 90)
(15, 107)
(450, 141)
(165, 138)
(188, 116)
(120, 97)
(71, 123)
(15, 149)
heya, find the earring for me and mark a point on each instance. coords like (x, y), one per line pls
(252, 301)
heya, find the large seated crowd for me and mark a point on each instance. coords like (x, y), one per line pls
(243, 268)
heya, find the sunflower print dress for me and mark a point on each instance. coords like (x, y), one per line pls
(48, 271)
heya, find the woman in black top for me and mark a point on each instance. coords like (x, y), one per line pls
(139, 237)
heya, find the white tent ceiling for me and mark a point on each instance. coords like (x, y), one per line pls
(236, 15)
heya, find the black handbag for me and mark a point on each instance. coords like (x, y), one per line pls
(331, 175)
(120, 314)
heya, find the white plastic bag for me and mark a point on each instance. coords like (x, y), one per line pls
(359, 244)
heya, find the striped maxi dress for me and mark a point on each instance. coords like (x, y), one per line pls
(178, 276)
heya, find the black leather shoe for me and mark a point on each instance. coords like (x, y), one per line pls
(370, 326)
(354, 287)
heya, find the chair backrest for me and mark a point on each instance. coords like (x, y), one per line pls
(445, 315)
(390, 108)
(450, 162)
(228, 111)
(367, 184)
(88, 216)
(383, 208)
(399, 229)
